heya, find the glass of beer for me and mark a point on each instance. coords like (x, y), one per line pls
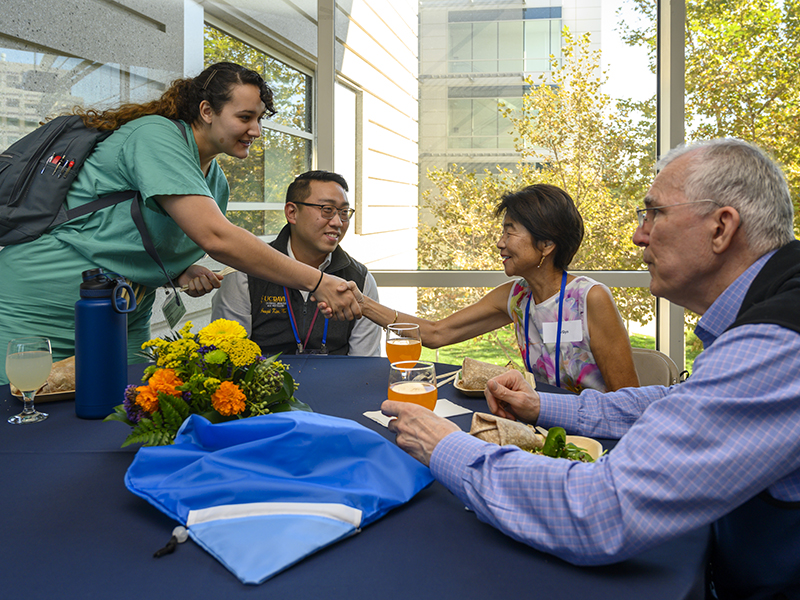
(413, 381)
(28, 364)
(403, 342)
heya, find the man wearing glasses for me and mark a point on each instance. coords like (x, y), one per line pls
(281, 319)
(720, 449)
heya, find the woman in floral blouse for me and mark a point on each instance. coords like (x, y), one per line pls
(568, 329)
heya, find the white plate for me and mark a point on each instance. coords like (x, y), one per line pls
(592, 446)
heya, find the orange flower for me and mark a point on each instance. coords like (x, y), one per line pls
(147, 399)
(163, 380)
(228, 399)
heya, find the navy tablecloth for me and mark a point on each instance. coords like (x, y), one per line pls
(70, 529)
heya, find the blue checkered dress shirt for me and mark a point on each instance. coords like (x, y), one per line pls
(688, 454)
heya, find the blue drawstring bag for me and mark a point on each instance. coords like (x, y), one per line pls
(261, 494)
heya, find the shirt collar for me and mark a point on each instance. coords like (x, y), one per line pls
(325, 263)
(723, 311)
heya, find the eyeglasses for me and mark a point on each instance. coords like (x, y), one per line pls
(329, 211)
(642, 213)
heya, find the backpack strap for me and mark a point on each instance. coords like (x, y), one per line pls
(136, 215)
(147, 241)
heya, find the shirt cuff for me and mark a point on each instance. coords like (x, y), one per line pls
(452, 458)
(558, 410)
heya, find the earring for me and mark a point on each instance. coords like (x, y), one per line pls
(541, 262)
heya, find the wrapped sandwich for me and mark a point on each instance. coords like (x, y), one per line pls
(475, 374)
(503, 432)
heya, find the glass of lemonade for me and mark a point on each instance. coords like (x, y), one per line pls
(28, 364)
(403, 342)
(413, 381)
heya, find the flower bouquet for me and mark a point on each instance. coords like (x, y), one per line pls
(217, 373)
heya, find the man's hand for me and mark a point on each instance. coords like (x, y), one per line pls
(511, 397)
(199, 280)
(418, 429)
(336, 299)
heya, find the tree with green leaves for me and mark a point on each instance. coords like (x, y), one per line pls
(741, 74)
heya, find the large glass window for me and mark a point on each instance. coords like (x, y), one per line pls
(474, 119)
(258, 184)
(37, 83)
(497, 41)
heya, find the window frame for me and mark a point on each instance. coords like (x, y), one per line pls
(267, 124)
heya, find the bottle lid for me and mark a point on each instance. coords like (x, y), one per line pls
(96, 282)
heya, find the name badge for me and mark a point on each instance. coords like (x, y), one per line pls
(173, 309)
(571, 331)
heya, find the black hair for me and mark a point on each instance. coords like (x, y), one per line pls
(549, 214)
(300, 188)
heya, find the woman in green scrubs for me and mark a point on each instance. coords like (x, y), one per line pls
(184, 194)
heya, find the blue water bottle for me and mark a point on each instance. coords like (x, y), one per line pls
(101, 343)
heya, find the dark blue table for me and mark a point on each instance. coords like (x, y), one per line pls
(70, 529)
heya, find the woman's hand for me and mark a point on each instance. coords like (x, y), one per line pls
(199, 280)
(511, 397)
(336, 299)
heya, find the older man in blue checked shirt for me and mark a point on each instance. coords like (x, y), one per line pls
(723, 448)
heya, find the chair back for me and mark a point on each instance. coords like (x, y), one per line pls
(654, 367)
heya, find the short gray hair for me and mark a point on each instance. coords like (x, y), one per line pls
(738, 174)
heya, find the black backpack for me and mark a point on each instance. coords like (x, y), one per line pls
(36, 173)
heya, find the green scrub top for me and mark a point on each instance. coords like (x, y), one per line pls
(151, 155)
(41, 279)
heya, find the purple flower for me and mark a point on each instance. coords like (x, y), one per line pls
(132, 410)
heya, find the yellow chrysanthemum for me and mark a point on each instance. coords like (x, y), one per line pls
(241, 352)
(228, 399)
(221, 329)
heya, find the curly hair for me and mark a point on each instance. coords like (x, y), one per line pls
(183, 97)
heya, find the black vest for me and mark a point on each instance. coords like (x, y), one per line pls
(271, 327)
(756, 552)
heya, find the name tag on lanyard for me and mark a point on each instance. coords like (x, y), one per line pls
(571, 331)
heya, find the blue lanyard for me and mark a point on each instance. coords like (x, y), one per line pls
(558, 332)
(302, 347)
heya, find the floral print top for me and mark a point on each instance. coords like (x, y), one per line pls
(577, 366)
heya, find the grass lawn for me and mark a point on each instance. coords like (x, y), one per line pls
(488, 348)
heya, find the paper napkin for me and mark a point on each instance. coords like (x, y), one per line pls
(444, 408)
